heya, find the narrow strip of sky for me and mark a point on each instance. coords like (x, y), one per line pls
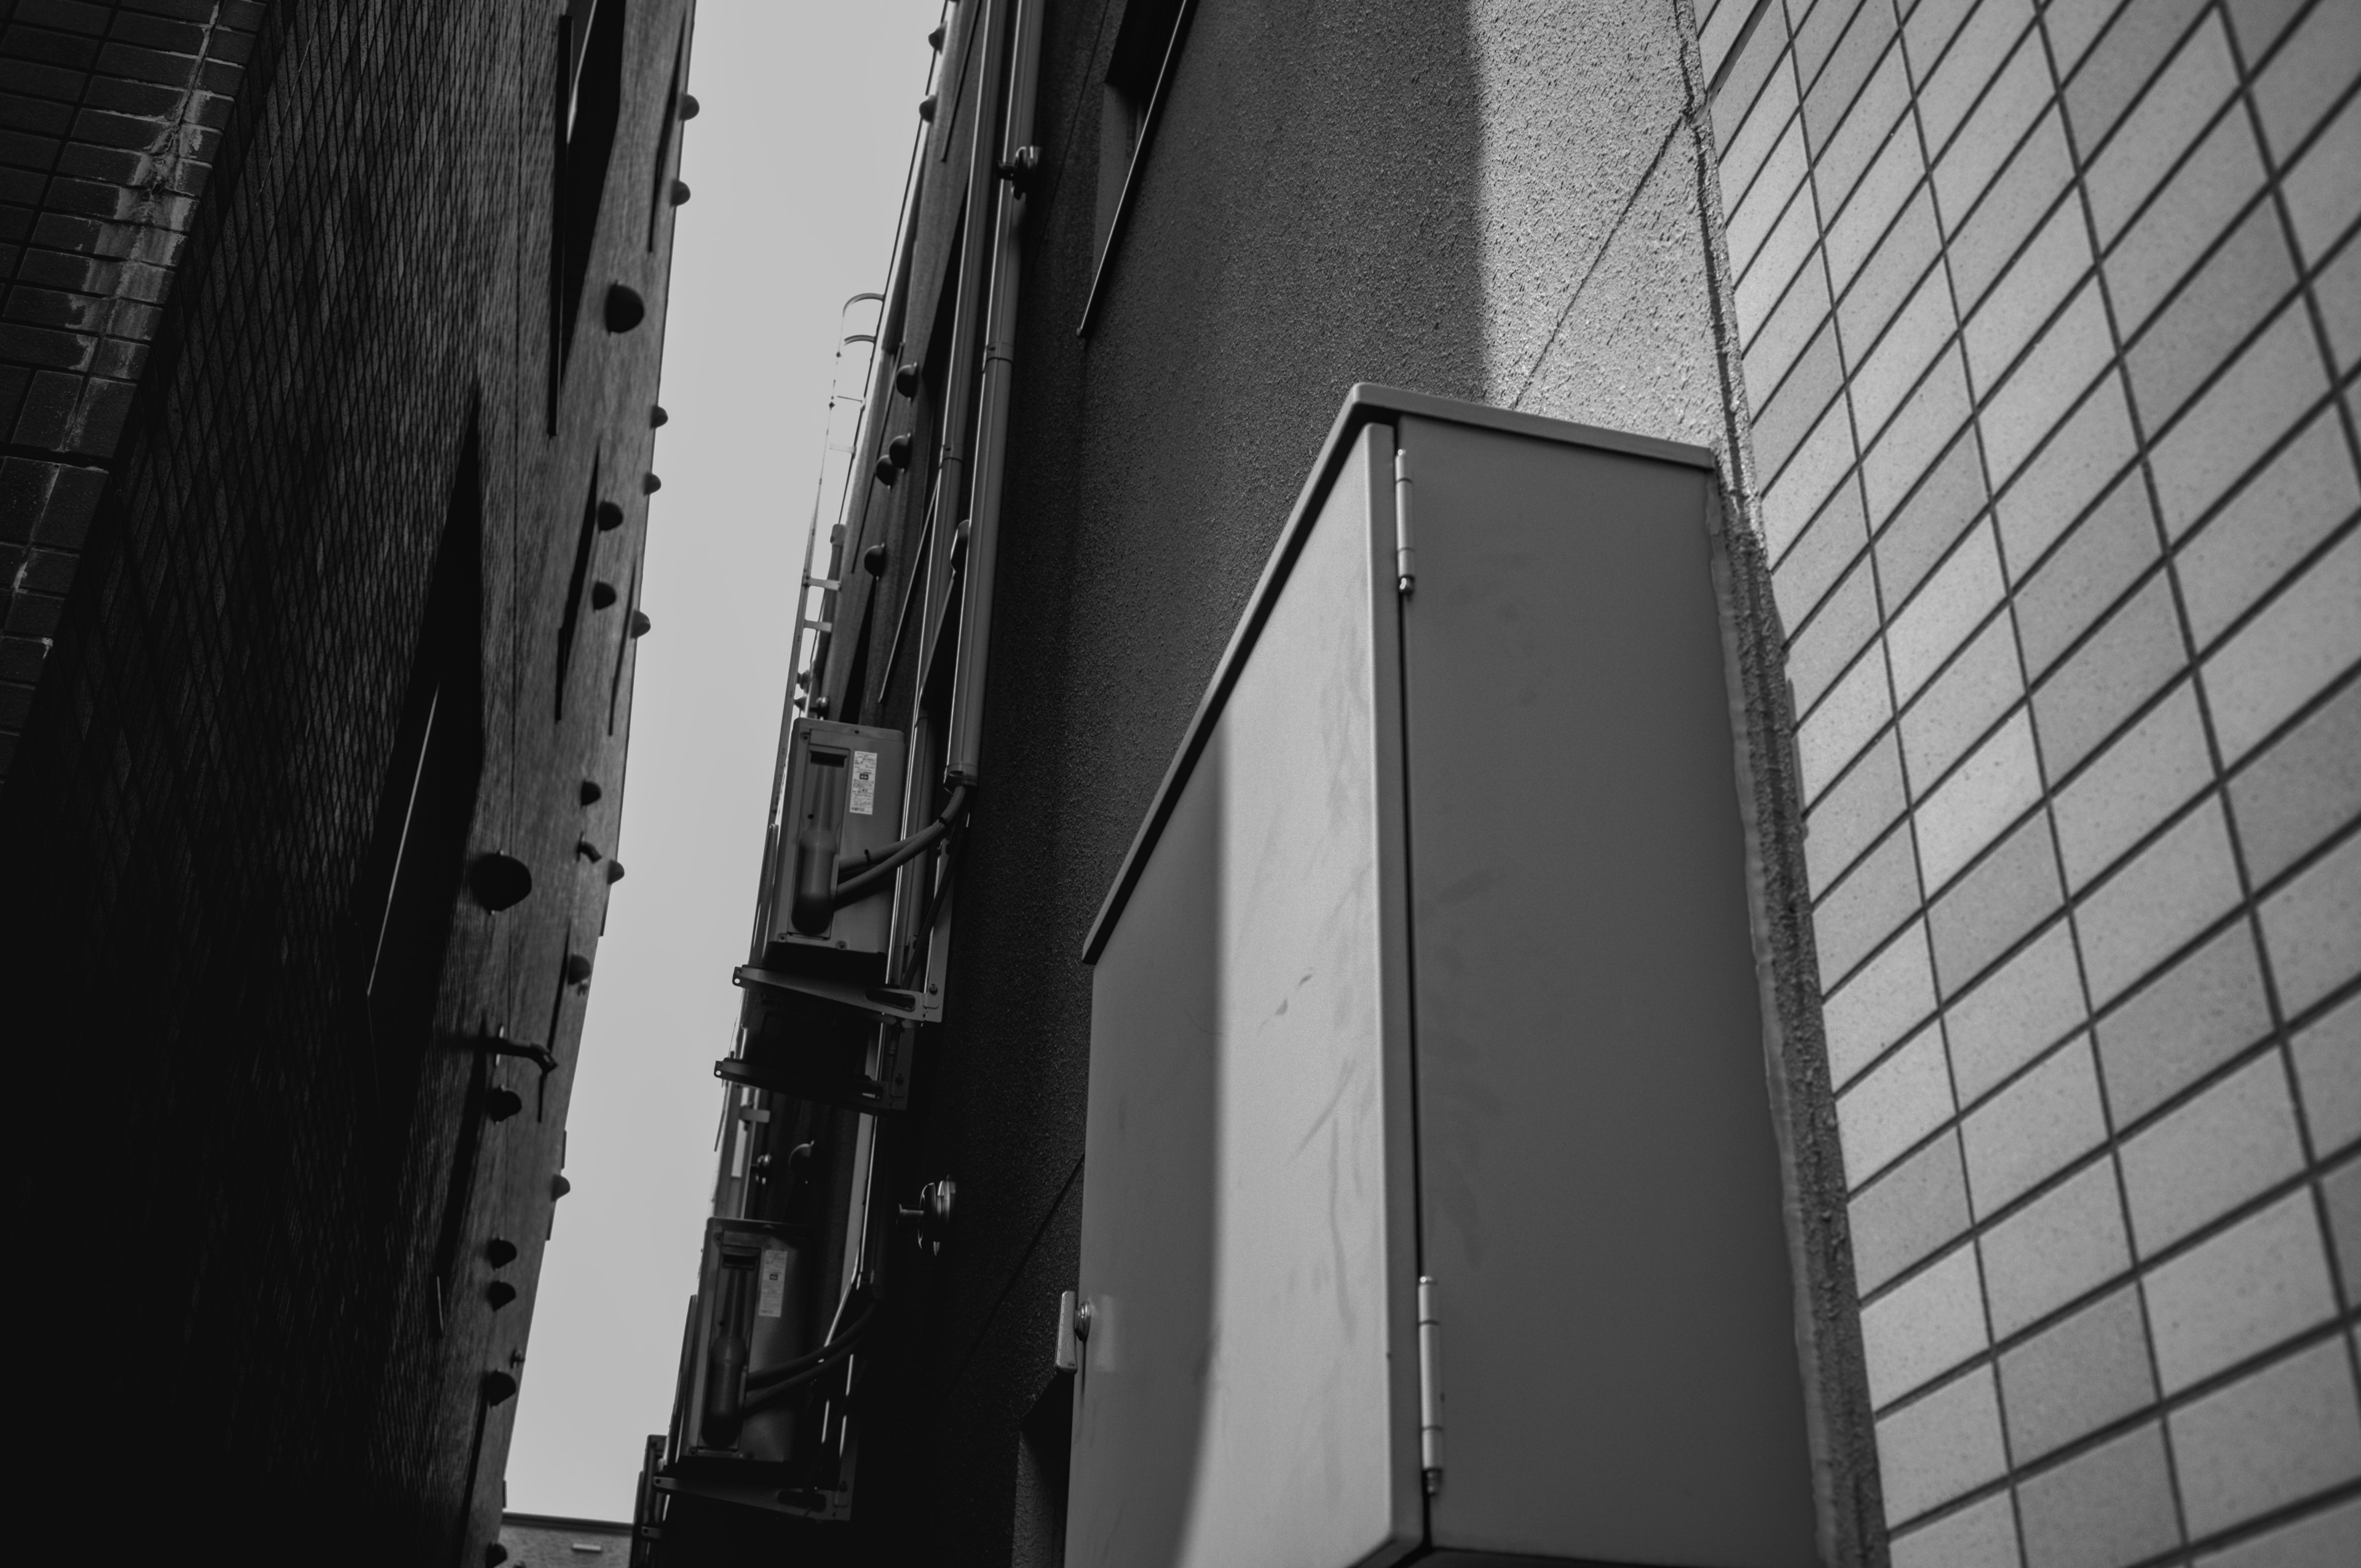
(797, 162)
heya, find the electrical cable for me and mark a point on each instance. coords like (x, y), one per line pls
(874, 871)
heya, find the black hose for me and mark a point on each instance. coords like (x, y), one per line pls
(859, 1326)
(874, 873)
(788, 1376)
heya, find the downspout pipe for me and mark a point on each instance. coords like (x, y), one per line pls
(1019, 160)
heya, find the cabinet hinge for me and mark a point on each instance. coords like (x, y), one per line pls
(1430, 1389)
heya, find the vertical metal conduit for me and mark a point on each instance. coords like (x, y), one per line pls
(1012, 168)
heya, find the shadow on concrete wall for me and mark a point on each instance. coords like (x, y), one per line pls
(1307, 219)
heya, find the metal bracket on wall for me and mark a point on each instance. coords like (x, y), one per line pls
(874, 1098)
(884, 1000)
(498, 1044)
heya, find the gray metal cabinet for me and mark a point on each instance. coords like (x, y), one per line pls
(1433, 960)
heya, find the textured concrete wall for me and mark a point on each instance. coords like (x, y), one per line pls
(2050, 320)
(238, 1216)
(1509, 203)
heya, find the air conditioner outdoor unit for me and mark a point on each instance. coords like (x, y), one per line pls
(842, 804)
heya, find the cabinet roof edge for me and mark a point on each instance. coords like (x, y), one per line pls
(1365, 403)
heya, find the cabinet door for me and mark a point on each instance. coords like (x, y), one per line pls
(1601, 1191)
(1248, 1392)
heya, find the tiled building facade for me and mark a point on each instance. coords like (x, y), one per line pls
(2050, 314)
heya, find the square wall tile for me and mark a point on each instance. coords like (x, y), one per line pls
(2172, 105)
(2328, 1538)
(1831, 543)
(2274, 382)
(2083, 1373)
(2103, 1509)
(2012, 207)
(1765, 201)
(1857, 809)
(1807, 480)
(2220, 177)
(2199, 1013)
(2065, 1244)
(1783, 420)
(1952, 605)
(2299, 643)
(1863, 132)
(1847, 719)
(2180, 883)
(1891, 274)
(1938, 1447)
(2258, 22)
(2014, 204)
(1920, 534)
(1882, 377)
(2129, 789)
(1764, 50)
(1831, 89)
(1957, 708)
(1743, 154)
(2008, 894)
(2337, 288)
(2208, 1156)
(2324, 190)
(1776, 340)
(2035, 284)
(1908, 1214)
(2132, 655)
(2262, 1281)
(2301, 496)
(2072, 26)
(2300, 791)
(1993, 788)
(2050, 378)
(1876, 200)
(1820, 25)
(2340, 1194)
(1976, 54)
(2027, 1005)
(1826, 645)
(1923, 1327)
(1892, 995)
(2034, 1128)
(1915, 437)
(2285, 1433)
(2089, 452)
(2087, 574)
(2328, 1073)
(2311, 928)
(2304, 79)
(1785, 253)
(2238, 285)
(2013, 101)
(1906, 1097)
(1867, 906)
(1982, 1535)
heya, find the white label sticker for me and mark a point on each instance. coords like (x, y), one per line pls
(773, 1303)
(865, 785)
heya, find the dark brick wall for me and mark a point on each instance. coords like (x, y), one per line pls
(236, 1193)
(110, 120)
